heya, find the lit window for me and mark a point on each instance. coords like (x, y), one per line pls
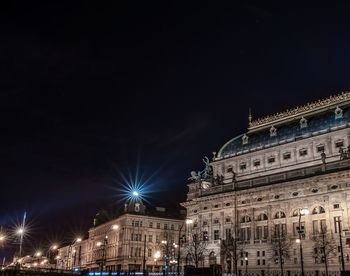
(320, 148)
(286, 156)
(256, 163)
(339, 144)
(271, 160)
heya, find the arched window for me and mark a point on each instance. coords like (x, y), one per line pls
(318, 210)
(280, 214)
(212, 258)
(246, 219)
(262, 217)
(295, 213)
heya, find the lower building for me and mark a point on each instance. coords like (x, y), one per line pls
(138, 239)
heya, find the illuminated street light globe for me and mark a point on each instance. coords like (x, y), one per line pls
(135, 193)
(20, 230)
(115, 227)
(78, 240)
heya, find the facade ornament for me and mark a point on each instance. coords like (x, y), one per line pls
(245, 139)
(332, 100)
(273, 131)
(338, 113)
(323, 157)
(214, 155)
(204, 174)
(303, 122)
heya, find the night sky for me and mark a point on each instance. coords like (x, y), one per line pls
(92, 91)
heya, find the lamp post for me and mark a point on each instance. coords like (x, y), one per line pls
(246, 265)
(187, 222)
(105, 241)
(156, 256)
(341, 245)
(70, 258)
(300, 232)
(166, 256)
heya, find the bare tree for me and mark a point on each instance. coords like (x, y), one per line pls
(324, 246)
(196, 245)
(280, 245)
(232, 246)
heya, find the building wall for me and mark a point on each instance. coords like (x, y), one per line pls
(124, 247)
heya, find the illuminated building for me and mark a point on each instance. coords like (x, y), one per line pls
(254, 187)
(136, 238)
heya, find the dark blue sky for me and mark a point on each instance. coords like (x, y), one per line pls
(91, 90)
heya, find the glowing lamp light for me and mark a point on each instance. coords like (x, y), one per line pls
(297, 240)
(54, 247)
(135, 193)
(20, 231)
(115, 227)
(189, 221)
(98, 243)
(2, 238)
(304, 211)
(78, 240)
(38, 254)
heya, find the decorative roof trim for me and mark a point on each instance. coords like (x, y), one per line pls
(300, 110)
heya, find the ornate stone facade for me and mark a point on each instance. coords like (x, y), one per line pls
(265, 180)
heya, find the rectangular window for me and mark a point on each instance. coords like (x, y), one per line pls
(249, 233)
(172, 227)
(339, 144)
(258, 262)
(216, 221)
(228, 233)
(165, 226)
(136, 224)
(149, 252)
(295, 260)
(263, 253)
(216, 235)
(205, 236)
(256, 163)
(258, 253)
(151, 224)
(258, 234)
(337, 223)
(286, 156)
(320, 148)
(323, 225)
(158, 225)
(336, 206)
(295, 228)
(315, 227)
(303, 152)
(150, 238)
(263, 262)
(271, 160)
(157, 238)
(266, 232)
(229, 169)
(243, 166)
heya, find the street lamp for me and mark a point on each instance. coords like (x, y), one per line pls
(246, 265)
(115, 227)
(300, 232)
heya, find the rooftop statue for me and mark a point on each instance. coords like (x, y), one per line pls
(205, 174)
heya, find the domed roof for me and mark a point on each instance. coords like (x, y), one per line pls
(292, 131)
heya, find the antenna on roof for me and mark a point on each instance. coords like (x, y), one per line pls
(250, 116)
